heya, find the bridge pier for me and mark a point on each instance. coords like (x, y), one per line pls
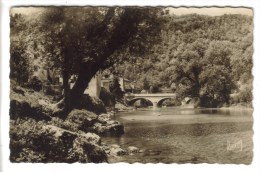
(155, 105)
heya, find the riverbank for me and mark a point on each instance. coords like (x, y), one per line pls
(36, 135)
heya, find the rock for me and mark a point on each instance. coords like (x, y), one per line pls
(110, 122)
(103, 118)
(92, 104)
(132, 149)
(78, 147)
(19, 90)
(91, 152)
(115, 129)
(114, 146)
(58, 132)
(117, 151)
(141, 151)
(99, 128)
(82, 113)
(82, 119)
(106, 148)
(92, 138)
(43, 103)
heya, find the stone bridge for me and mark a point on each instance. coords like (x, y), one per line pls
(157, 99)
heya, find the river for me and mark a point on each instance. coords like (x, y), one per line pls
(179, 135)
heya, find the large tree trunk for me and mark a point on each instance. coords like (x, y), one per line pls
(66, 88)
(85, 75)
(122, 32)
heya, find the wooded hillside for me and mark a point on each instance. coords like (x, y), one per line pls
(200, 55)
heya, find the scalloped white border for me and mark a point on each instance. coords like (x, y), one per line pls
(6, 166)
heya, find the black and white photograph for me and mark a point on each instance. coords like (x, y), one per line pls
(131, 84)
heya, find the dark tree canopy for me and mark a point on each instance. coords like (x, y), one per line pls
(84, 40)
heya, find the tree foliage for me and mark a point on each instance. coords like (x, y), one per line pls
(84, 40)
(115, 89)
(204, 56)
(19, 63)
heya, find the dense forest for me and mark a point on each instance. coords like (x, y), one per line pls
(200, 56)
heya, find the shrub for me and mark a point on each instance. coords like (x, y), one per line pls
(106, 97)
(172, 102)
(30, 142)
(22, 133)
(35, 84)
(24, 109)
(50, 91)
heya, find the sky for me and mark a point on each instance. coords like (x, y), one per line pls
(212, 11)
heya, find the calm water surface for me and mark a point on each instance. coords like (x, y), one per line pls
(179, 135)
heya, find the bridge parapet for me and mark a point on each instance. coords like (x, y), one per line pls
(155, 95)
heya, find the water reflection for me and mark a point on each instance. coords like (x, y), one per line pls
(212, 111)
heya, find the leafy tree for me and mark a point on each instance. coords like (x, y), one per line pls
(146, 85)
(115, 89)
(203, 70)
(187, 65)
(216, 79)
(19, 62)
(154, 89)
(84, 40)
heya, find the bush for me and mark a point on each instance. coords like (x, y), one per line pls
(154, 89)
(35, 84)
(21, 109)
(243, 97)
(50, 91)
(23, 133)
(172, 102)
(107, 98)
(210, 102)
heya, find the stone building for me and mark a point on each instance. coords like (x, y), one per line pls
(125, 84)
(94, 86)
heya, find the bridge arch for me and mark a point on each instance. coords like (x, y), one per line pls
(132, 101)
(160, 102)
